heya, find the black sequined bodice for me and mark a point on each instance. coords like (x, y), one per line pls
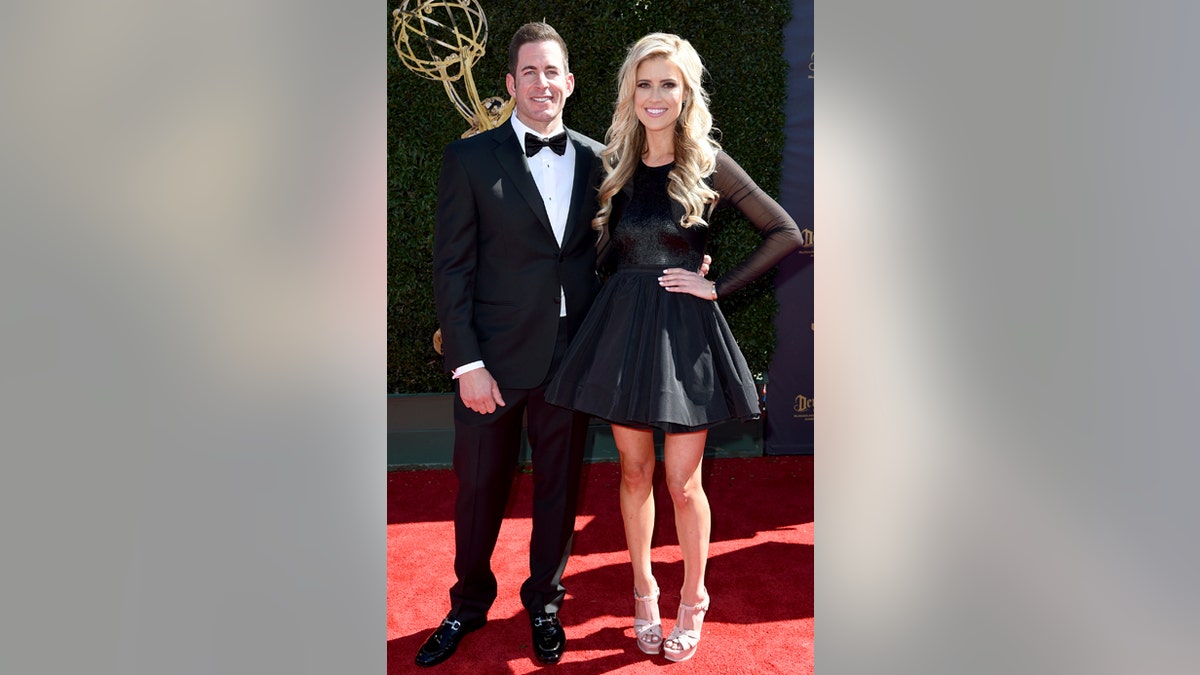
(647, 234)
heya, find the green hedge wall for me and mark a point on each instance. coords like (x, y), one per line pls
(741, 42)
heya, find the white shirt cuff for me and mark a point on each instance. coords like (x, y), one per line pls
(459, 371)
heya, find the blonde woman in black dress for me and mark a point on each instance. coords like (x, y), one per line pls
(655, 351)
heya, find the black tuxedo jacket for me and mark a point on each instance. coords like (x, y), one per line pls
(497, 268)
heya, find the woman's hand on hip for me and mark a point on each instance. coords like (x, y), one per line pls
(679, 280)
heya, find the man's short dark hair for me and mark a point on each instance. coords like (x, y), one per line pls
(536, 31)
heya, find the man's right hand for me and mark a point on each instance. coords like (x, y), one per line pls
(479, 391)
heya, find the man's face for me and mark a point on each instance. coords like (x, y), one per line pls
(541, 85)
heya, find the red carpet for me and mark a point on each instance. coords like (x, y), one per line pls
(760, 574)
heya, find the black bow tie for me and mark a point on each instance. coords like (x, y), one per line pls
(556, 143)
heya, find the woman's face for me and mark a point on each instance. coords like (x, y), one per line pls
(658, 94)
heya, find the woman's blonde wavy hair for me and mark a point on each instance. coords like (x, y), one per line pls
(695, 148)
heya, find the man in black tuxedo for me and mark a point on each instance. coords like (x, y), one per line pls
(514, 275)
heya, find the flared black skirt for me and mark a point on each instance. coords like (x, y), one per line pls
(649, 358)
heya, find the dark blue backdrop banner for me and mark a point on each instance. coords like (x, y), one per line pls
(790, 412)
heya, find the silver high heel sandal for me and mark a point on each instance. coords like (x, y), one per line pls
(647, 631)
(682, 643)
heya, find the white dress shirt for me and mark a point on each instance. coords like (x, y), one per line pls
(555, 176)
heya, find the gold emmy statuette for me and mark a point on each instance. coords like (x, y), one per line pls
(441, 40)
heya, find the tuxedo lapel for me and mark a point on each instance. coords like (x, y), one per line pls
(508, 157)
(580, 188)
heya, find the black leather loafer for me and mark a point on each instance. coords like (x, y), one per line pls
(441, 645)
(549, 639)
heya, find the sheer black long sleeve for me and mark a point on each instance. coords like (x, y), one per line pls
(780, 234)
